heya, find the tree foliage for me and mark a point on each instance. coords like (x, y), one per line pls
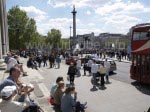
(64, 43)
(21, 28)
(54, 37)
(23, 31)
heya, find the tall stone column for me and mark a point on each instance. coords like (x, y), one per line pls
(74, 26)
(3, 25)
(6, 28)
(0, 43)
(0, 30)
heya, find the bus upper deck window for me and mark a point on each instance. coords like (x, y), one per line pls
(136, 36)
(143, 36)
(148, 34)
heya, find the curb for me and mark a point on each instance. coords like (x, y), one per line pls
(120, 61)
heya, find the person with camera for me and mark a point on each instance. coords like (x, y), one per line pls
(13, 80)
(7, 104)
(69, 101)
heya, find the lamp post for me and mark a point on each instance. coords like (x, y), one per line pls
(70, 46)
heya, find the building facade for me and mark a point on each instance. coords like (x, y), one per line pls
(102, 41)
(116, 41)
(4, 42)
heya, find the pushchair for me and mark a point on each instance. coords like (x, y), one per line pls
(97, 78)
(33, 107)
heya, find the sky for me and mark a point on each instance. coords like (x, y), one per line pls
(98, 16)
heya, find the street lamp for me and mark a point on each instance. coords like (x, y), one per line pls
(70, 39)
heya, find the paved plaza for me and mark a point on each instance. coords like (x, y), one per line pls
(116, 97)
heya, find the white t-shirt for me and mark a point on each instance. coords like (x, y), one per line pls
(107, 65)
(90, 62)
(12, 106)
(78, 63)
(11, 63)
(94, 68)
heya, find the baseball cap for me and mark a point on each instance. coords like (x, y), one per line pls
(8, 91)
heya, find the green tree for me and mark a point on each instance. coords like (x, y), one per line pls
(30, 31)
(21, 29)
(54, 37)
(64, 43)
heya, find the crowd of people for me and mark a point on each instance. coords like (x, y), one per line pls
(13, 91)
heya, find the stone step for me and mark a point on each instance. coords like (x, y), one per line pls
(2, 66)
(2, 75)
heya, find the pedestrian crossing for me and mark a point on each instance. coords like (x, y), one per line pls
(36, 78)
(44, 89)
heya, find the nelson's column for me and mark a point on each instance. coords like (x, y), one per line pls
(73, 39)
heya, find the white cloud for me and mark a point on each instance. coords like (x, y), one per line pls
(118, 17)
(37, 14)
(77, 3)
(118, 0)
(114, 16)
(119, 23)
(120, 7)
(91, 24)
(32, 9)
(88, 12)
(61, 24)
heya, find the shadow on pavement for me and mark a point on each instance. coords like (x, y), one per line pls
(142, 87)
(102, 87)
(93, 89)
(112, 73)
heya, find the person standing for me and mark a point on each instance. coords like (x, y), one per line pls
(78, 67)
(58, 61)
(94, 70)
(85, 67)
(102, 72)
(107, 66)
(71, 73)
(90, 62)
(39, 60)
(45, 60)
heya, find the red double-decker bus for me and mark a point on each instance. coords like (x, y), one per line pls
(140, 49)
